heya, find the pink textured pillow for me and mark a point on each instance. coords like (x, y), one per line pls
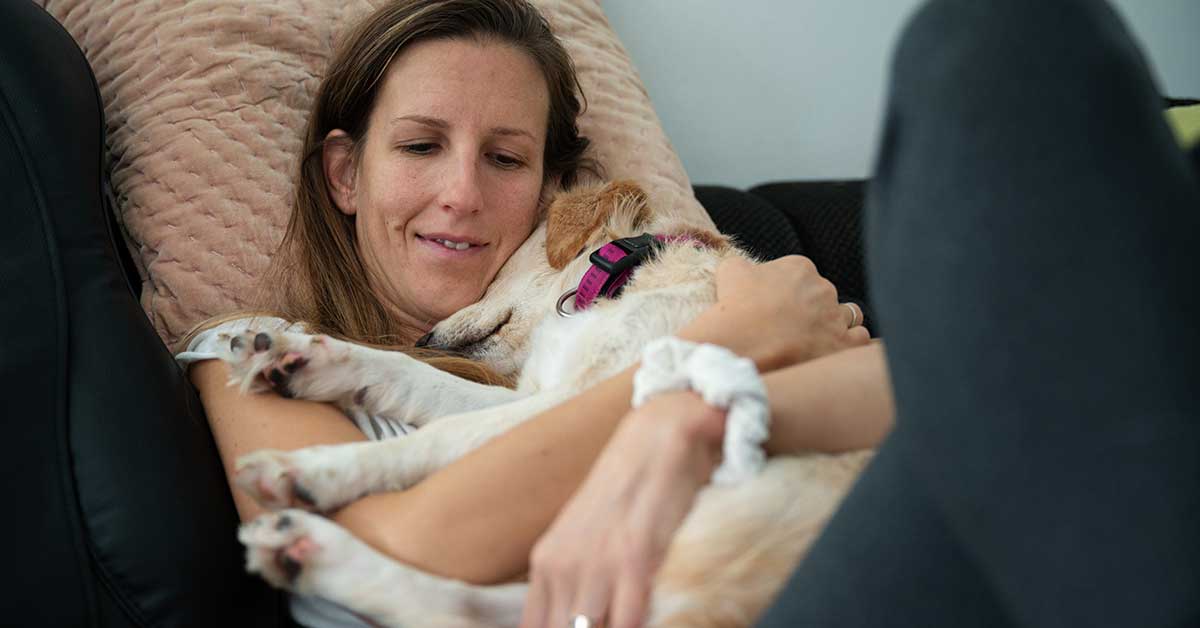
(206, 101)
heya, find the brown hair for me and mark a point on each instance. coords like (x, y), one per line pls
(317, 275)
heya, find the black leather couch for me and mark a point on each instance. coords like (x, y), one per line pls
(119, 512)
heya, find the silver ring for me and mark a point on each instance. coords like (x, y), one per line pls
(855, 319)
(565, 314)
(581, 621)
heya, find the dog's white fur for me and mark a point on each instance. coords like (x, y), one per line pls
(729, 558)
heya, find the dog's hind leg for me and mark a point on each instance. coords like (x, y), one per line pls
(309, 554)
(327, 477)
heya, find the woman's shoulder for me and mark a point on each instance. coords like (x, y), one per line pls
(206, 344)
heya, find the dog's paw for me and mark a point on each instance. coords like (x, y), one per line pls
(291, 548)
(294, 365)
(319, 479)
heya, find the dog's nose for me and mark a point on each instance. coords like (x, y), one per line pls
(424, 341)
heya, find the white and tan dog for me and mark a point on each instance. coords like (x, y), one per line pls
(733, 552)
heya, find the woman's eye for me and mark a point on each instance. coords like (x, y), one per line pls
(420, 148)
(506, 161)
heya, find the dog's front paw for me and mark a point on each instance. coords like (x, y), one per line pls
(290, 548)
(294, 365)
(320, 479)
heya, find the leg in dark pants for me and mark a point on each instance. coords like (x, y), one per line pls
(1032, 244)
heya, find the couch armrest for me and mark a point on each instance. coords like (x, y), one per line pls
(119, 514)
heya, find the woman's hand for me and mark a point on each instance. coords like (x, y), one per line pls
(777, 314)
(600, 555)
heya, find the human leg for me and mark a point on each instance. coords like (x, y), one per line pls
(886, 559)
(1030, 238)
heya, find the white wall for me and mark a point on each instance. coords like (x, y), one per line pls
(762, 90)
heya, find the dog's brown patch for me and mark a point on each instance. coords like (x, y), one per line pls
(575, 216)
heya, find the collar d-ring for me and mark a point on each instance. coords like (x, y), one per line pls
(562, 300)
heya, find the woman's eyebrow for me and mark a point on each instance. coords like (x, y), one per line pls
(438, 123)
(510, 131)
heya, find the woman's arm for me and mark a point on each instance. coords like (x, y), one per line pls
(244, 423)
(476, 519)
(839, 402)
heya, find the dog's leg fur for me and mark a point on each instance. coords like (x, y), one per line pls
(327, 477)
(309, 554)
(383, 383)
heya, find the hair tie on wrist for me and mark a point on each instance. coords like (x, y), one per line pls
(722, 379)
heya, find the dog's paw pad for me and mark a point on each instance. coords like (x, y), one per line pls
(270, 477)
(282, 361)
(316, 479)
(281, 546)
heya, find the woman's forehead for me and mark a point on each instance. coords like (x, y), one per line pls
(463, 81)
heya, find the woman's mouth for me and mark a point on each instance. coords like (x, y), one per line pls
(450, 242)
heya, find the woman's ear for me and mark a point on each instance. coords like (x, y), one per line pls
(337, 158)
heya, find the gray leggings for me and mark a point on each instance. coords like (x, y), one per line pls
(1032, 251)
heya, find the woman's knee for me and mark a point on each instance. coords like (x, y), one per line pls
(951, 49)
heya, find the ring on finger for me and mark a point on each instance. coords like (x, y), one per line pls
(855, 315)
(582, 621)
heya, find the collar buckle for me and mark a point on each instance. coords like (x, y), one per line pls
(637, 249)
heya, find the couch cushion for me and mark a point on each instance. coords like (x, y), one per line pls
(206, 101)
(756, 225)
(827, 216)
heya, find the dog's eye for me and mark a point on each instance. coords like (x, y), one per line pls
(497, 328)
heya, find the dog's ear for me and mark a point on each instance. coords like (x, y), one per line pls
(710, 239)
(576, 216)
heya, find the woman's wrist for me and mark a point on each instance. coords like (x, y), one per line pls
(692, 424)
(709, 327)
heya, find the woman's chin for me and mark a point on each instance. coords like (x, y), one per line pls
(445, 304)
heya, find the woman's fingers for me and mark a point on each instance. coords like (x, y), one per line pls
(536, 602)
(791, 309)
(592, 598)
(630, 603)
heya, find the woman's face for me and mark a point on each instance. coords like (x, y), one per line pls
(447, 184)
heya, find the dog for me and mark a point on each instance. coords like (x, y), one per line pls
(732, 553)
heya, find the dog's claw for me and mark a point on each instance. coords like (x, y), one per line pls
(303, 495)
(289, 566)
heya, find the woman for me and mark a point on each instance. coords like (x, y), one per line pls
(437, 134)
(1032, 253)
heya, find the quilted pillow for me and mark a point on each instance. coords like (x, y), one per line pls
(206, 100)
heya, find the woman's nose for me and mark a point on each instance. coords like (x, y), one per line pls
(461, 191)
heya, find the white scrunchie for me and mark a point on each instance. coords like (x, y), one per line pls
(723, 380)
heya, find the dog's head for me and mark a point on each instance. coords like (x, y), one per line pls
(497, 329)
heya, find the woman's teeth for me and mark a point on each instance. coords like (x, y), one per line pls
(457, 246)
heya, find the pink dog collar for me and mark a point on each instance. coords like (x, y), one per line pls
(612, 264)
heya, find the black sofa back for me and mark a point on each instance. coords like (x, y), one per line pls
(119, 512)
